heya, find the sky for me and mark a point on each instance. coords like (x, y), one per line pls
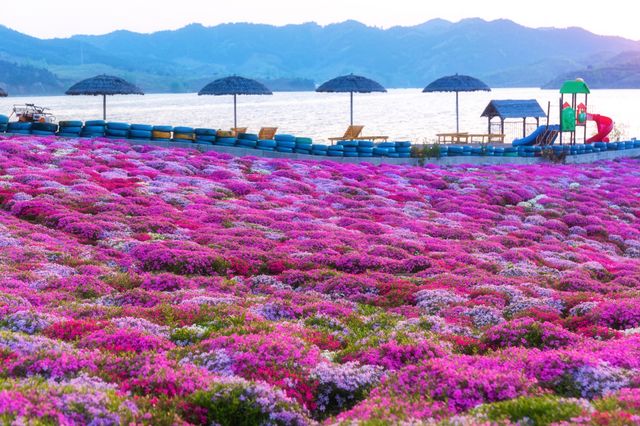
(63, 18)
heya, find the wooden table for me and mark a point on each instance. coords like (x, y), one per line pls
(453, 137)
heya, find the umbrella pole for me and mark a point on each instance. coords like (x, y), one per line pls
(457, 117)
(104, 107)
(351, 93)
(235, 116)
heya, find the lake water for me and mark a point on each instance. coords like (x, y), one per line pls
(402, 114)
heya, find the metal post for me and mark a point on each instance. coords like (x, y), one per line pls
(351, 93)
(488, 125)
(524, 126)
(561, 129)
(104, 107)
(457, 117)
(574, 101)
(235, 115)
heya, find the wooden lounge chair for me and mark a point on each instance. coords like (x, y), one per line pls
(238, 130)
(267, 133)
(352, 133)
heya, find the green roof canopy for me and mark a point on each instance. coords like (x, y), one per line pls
(575, 86)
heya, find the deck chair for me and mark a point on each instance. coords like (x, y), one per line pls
(352, 133)
(267, 133)
(238, 130)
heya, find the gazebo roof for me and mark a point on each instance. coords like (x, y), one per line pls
(510, 108)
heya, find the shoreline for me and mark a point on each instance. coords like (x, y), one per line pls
(238, 151)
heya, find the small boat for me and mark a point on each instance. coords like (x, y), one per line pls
(33, 114)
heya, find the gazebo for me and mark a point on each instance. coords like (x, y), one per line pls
(509, 108)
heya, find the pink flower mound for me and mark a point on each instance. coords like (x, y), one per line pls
(393, 356)
(461, 383)
(619, 314)
(165, 282)
(147, 285)
(252, 352)
(179, 258)
(528, 333)
(125, 340)
(161, 377)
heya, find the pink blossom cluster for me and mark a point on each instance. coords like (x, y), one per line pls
(145, 285)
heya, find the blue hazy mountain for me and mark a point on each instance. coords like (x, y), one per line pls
(619, 72)
(500, 52)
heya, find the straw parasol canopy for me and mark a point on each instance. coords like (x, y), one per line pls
(104, 85)
(457, 83)
(3, 94)
(235, 86)
(351, 84)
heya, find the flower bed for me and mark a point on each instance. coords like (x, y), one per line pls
(167, 286)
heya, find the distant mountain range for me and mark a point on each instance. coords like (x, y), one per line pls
(501, 52)
(620, 72)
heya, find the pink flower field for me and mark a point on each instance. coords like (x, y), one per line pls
(144, 285)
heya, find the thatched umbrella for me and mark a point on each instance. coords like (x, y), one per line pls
(351, 84)
(457, 83)
(104, 85)
(3, 94)
(235, 86)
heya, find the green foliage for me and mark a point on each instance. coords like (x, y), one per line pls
(422, 152)
(369, 328)
(28, 79)
(168, 315)
(541, 411)
(123, 281)
(612, 404)
(228, 407)
(552, 156)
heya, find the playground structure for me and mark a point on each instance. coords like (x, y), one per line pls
(574, 115)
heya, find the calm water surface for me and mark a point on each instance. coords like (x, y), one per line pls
(402, 114)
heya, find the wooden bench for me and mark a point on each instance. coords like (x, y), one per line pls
(486, 138)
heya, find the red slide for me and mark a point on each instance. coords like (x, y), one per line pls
(605, 126)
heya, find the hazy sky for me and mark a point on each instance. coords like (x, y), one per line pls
(61, 18)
